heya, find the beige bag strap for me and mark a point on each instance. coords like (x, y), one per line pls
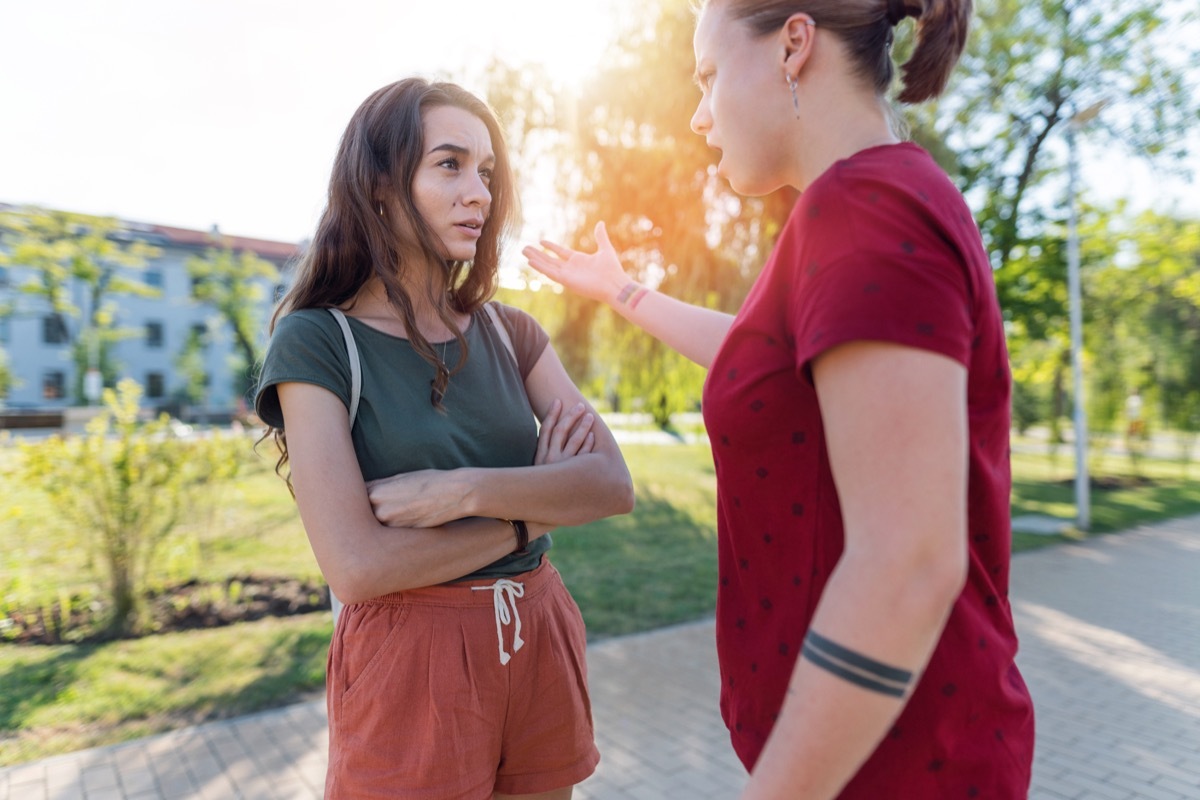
(494, 315)
(355, 366)
(355, 394)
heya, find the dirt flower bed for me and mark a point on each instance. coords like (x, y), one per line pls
(187, 606)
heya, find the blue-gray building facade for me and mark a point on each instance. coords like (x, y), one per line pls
(38, 342)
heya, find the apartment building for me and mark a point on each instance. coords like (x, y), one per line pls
(38, 341)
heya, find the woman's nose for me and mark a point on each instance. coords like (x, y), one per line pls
(702, 120)
(477, 192)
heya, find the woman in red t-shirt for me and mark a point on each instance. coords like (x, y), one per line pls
(858, 408)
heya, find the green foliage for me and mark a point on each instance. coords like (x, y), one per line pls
(190, 366)
(7, 379)
(235, 284)
(123, 488)
(1028, 68)
(625, 154)
(64, 250)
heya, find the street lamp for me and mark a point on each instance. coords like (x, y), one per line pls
(1083, 503)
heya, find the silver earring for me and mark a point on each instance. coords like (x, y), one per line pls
(795, 100)
(381, 209)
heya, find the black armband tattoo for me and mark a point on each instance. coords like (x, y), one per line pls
(855, 667)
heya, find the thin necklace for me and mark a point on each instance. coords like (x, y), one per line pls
(436, 396)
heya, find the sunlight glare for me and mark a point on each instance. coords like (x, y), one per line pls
(567, 39)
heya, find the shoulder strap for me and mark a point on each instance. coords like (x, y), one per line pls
(355, 392)
(494, 315)
(355, 367)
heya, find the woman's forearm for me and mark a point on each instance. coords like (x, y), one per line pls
(576, 491)
(878, 621)
(382, 560)
(694, 331)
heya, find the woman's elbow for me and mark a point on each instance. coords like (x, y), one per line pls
(354, 579)
(621, 492)
(625, 498)
(943, 575)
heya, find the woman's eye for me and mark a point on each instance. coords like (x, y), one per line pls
(486, 174)
(449, 163)
(706, 81)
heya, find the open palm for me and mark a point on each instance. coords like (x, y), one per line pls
(597, 275)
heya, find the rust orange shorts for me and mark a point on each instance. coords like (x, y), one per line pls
(421, 705)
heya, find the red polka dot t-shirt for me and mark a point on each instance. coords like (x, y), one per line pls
(881, 247)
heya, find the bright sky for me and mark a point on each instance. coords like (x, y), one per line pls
(228, 112)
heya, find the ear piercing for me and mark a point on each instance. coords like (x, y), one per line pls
(795, 100)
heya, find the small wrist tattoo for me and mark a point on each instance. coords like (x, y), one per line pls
(624, 294)
(637, 296)
(855, 667)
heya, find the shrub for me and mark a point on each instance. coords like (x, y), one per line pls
(124, 486)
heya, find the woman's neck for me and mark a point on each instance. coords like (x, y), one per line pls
(371, 305)
(844, 127)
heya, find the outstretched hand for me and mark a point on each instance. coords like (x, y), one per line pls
(597, 275)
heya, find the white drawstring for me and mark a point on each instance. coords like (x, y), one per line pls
(503, 617)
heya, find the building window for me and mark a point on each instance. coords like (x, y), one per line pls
(154, 334)
(154, 277)
(54, 330)
(54, 385)
(3, 276)
(156, 386)
(5, 333)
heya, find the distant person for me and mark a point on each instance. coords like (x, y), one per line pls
(457, 667)
(1136, 426)
(858, 409)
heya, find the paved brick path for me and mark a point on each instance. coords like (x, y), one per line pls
(1110, 647)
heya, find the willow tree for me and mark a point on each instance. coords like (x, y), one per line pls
(627, 156)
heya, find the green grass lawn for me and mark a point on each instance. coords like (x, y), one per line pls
(1044, 484)
(654, 567)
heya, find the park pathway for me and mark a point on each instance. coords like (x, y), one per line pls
(1110, 633)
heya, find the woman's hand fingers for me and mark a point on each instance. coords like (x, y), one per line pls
(564, 253)
(602, 240)
(562, 430)
(565, 434)
(597, 275)
(579, 434)
(548, 424)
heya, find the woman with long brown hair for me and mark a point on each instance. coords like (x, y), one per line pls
(858, 408)
(409, 402)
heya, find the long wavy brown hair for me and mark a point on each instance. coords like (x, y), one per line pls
(379, 153)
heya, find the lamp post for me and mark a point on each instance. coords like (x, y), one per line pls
(1083, 503)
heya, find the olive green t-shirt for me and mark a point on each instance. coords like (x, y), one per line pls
(487, 420)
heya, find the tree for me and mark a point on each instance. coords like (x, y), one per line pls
(235, 284)
(628, 156)
(190, 368)
(1028, 68)
(124, 486)
(7, 379)
(1167, 280)
(64, 251)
